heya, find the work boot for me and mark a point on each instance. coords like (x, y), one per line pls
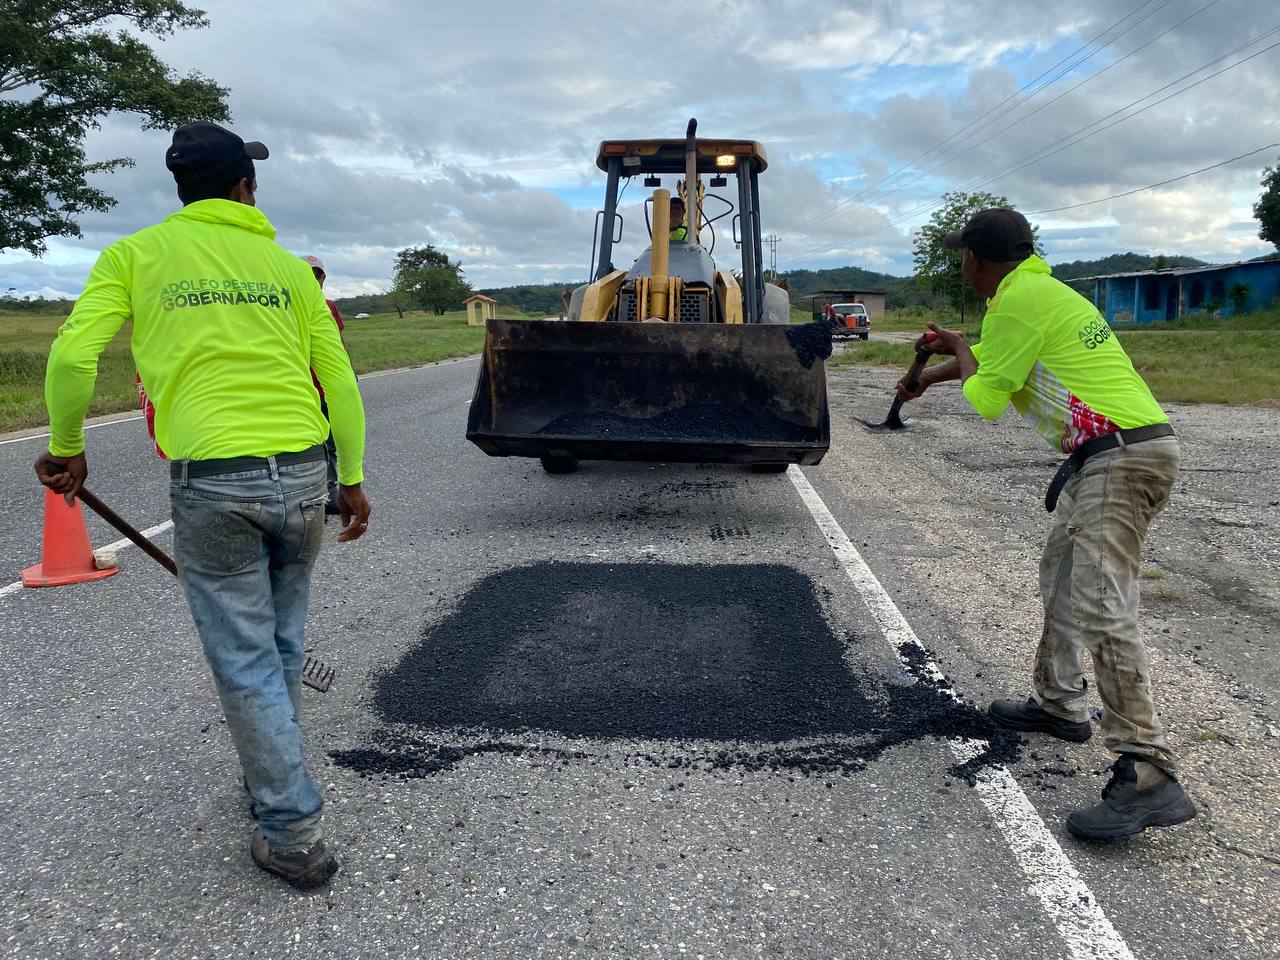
(1140, 795)
(1031, 717)
(302, 869)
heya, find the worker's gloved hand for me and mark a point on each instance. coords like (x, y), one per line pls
(64, 475)
(354, 510)
(938, 340)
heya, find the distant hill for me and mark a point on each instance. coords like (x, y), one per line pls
(545, 298)
(842, 278)
(366, 303)
(541, 298)
(1120, 263)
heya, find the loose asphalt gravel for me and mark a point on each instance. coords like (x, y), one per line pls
(641, 711)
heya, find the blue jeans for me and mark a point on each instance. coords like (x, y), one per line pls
(245, 544)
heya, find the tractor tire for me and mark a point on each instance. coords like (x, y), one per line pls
(559, 465)
(769, 468)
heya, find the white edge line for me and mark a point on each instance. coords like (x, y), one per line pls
(150, 532)
(1054, 880)
(375, 374)
(366, 376)
(87, 426)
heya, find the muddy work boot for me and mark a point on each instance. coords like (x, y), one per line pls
(302, 869)
(1140, 795)
(1030, 717)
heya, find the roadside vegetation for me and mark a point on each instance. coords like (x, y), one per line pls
(1198, 359)
(378, 342)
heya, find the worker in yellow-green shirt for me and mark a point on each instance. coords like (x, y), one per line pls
(1046, 350)
(227, 327)
(679, 221)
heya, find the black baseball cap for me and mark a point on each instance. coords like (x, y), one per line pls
(202, 150)
(999, 235)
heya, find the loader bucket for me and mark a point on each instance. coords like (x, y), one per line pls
(691, 392)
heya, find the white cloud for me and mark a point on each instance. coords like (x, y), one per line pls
(396, 124)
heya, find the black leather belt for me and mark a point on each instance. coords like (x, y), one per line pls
(1108, 441)
(180, 469)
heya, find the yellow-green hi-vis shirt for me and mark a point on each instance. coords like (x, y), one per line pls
(227, 326)
(1048, 350)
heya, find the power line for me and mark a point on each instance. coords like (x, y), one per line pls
(1035, 156)
(1069, 90)
(822, 218)
(772, 241)
(1152, 186)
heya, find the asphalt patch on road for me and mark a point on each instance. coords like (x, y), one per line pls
(724, 665)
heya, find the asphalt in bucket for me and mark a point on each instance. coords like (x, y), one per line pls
(810, 341)
(723, 665)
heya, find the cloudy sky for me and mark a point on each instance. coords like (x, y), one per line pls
(474, 126)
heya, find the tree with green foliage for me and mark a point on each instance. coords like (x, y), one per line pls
(937, 267)
(1267, 209)
(427, 279)
(63, 67)
(1239, 296)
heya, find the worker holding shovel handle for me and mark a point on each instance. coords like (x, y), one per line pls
(227, 327)
(1045, 349)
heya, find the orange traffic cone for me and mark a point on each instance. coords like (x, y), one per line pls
(68, 558)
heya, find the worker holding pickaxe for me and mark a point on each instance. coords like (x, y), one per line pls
(227, 327)
(1045, 349)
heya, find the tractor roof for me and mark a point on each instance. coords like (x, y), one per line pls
(667, 156)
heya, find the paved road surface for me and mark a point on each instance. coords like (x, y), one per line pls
(730, 755)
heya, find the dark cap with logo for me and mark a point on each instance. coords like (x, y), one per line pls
(998, 235)
(204, 150)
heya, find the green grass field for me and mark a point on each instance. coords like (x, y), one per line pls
(1231, 360)
(380, 342)
(1200, 360)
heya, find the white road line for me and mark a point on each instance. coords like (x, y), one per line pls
(424, 366)
(87, 426)
(150, 532)
(366, 376)
(1052, 877)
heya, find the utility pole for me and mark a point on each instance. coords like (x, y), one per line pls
(772, 240)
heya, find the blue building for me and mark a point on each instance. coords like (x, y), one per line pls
(1155, 295)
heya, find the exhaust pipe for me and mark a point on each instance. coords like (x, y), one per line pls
(692, 202)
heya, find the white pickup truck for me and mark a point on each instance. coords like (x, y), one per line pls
(849, 320)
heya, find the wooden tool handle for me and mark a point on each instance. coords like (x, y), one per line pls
(109, 515)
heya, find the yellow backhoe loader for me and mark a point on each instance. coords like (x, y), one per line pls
(673, 359)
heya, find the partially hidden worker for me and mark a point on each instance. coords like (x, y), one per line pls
(227, 326)
(330, 451)
(679, 221)
(1045, 349)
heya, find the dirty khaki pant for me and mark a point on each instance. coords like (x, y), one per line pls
(1089, 585)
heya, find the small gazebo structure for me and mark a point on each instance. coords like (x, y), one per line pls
(480, 308)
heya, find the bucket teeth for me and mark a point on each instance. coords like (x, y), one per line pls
(317, 674)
